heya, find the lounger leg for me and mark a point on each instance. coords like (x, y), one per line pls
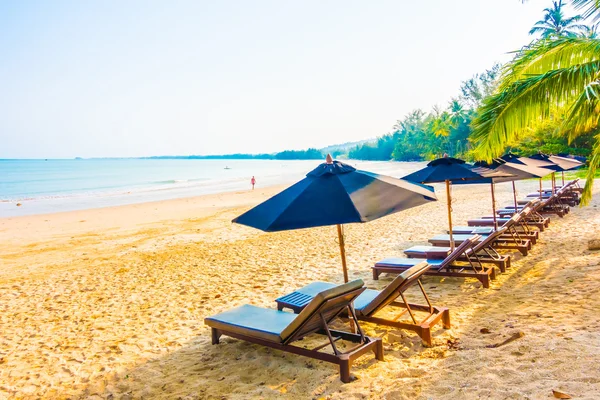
(446, 319)
(215, 335)
(485, 281)
(345, 370)
(426, 336)
(379, 350)
(375, 274)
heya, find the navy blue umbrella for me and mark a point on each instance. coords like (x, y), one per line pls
(452, 170)
(335, 193)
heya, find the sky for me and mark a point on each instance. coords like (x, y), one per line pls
(139, 78)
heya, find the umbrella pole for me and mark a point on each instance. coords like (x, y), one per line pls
(494, 207)
(553, 182)
(449, 214)
(515, 195)
(563, 178)
(343, 251)
(540, 189)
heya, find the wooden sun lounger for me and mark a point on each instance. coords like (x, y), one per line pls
(534, 219)
(371, 302)
(511, 239)
(446, 266)
(501, 243)
(278, 329)
(483, 251)
(528, 217)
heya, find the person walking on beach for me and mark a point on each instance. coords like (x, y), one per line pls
(253, 182)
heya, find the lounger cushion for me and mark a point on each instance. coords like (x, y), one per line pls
(403, 263)
(482, 230)
(458, 238)
(261, 323)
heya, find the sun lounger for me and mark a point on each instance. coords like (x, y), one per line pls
(446, 266)
(371, 302)
(483, 251)
(518, 225)
(278, 329)
(534, 219)
(511, 238)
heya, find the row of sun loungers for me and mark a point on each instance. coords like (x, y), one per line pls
(315, 306)
(476, 254)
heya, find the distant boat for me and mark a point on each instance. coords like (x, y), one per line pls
(226, 167)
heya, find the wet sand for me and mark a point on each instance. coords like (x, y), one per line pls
(109, 303)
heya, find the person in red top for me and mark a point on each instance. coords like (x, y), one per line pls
(253, 182)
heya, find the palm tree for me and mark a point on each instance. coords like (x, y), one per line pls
(561, 74)
(555, 24)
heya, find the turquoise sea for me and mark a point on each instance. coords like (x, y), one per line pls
(46, 186)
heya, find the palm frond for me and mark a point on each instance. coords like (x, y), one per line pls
(594, 161)
(546, 55)
(584, 114)
(590, 7)
(504, 115)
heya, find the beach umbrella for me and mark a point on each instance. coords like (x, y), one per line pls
(560, 164)
(531, 162)
(335, 193)
(566, 163)
(518, 172)
(454, 171)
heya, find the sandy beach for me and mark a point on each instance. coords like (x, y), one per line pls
(109, 303)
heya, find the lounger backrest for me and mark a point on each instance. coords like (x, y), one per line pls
(459, 250)
(513, 220)
(397, 286)
(329, 303)
(488, 240)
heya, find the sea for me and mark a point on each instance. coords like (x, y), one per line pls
(46, 186)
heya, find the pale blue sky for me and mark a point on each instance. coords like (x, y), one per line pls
(137, 78)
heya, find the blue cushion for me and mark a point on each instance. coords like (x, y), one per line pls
(365, 299)
(406, 262)
(262, 323)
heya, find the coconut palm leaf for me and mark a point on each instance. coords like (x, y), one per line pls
(594, 161)
(590, 8)
(547, 55)
(504, 115)
(517, 106)
(584, 114)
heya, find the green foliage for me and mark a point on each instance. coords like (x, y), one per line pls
(555, 24)
(556, 79)
(423, 136)
(309, 154)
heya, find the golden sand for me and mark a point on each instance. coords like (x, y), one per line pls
(109, 303)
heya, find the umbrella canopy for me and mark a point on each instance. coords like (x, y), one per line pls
(532, 162)
(518, 172)
(452, 170)
(521, 171)
(539, 162)
(335, 193)
(565, 163)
